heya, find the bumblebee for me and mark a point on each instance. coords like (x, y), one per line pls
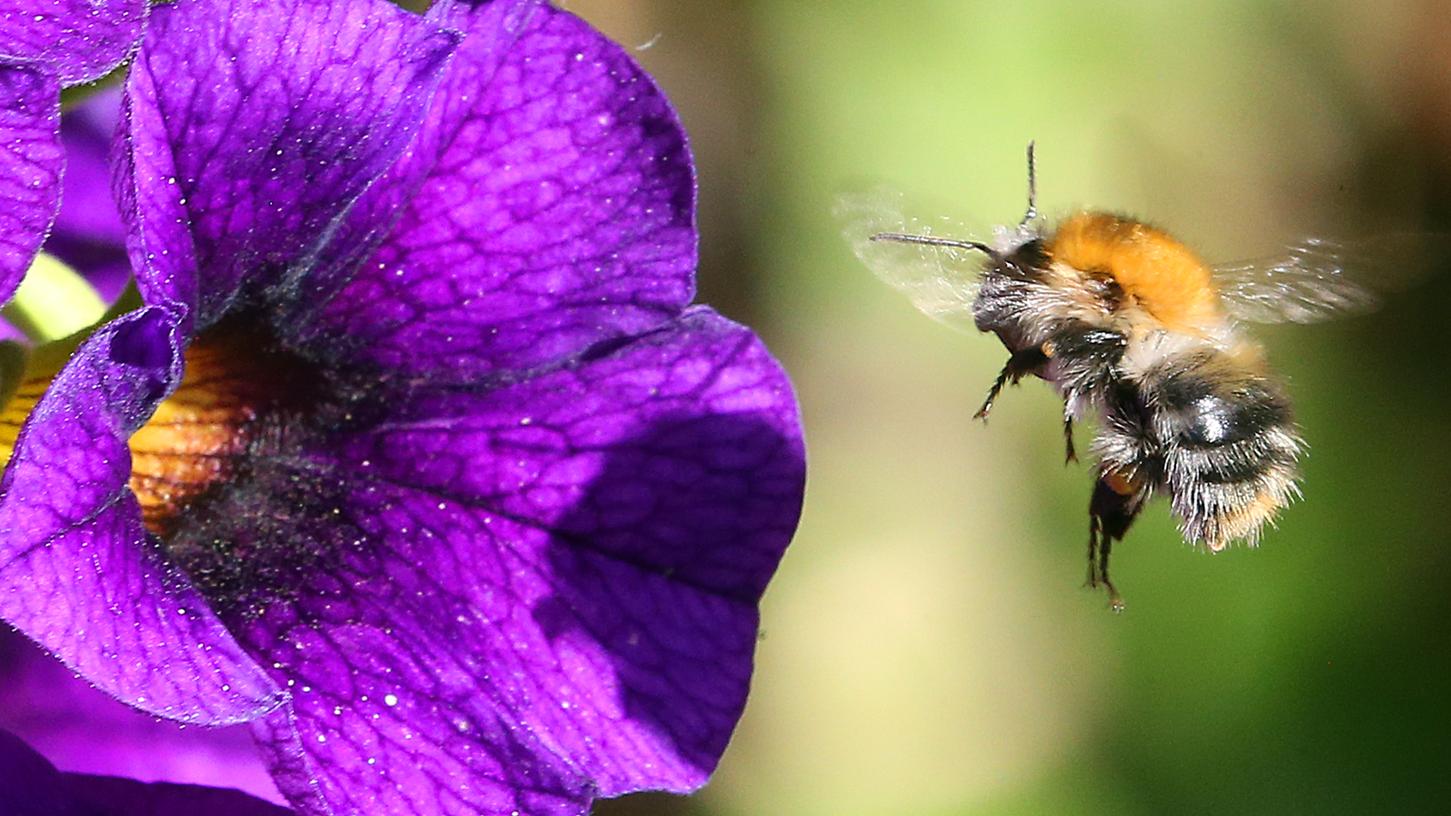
(1127, 323)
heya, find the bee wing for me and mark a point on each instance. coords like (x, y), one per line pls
(940, 281)
(1320, 279)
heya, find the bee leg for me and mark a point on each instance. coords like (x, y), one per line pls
(1022, 363)
(992, 394)
(1115, 600)
(1070, 455)
(1100, 544)
(1116, 502)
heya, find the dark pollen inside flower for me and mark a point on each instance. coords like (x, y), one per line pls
(235, 397)
(227, 470)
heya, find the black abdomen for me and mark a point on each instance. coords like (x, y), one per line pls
(1212, 431)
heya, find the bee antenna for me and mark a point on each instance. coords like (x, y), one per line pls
(1032, 189)
(932, 240)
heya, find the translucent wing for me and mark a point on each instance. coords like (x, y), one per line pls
(1319, 279)
(940, 281)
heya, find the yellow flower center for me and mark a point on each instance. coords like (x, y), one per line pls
(197, 436)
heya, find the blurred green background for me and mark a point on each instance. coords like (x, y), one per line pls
(927, 647)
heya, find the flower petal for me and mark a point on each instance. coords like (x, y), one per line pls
(78, 572)
(559, 198)
(250, 129)
(85, 731)
(31, 160)
(79, 40)
(33, 787)
(361, 761)
(524, 597)
(715, 404)
(497, 24)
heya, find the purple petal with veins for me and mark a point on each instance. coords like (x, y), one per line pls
(546, 589)
(78, 40)
(75, 560)
(45, 44)
(556, 188)
(83, 730)
(250, 128)
(31, 160)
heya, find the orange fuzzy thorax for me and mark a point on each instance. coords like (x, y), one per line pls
(1163, 276)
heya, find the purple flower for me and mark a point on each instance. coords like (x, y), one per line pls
(87, 235)
(44, 45)
(417, 459)
(83, 730)
(33, 787)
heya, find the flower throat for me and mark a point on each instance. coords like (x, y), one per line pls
(233, 388)
(198, 436)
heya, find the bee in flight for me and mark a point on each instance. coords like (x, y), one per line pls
(1128, 323)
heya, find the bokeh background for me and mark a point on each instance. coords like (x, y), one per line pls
(927, 646)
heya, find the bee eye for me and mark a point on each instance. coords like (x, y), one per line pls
(1027, 261)
(1031, 255)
